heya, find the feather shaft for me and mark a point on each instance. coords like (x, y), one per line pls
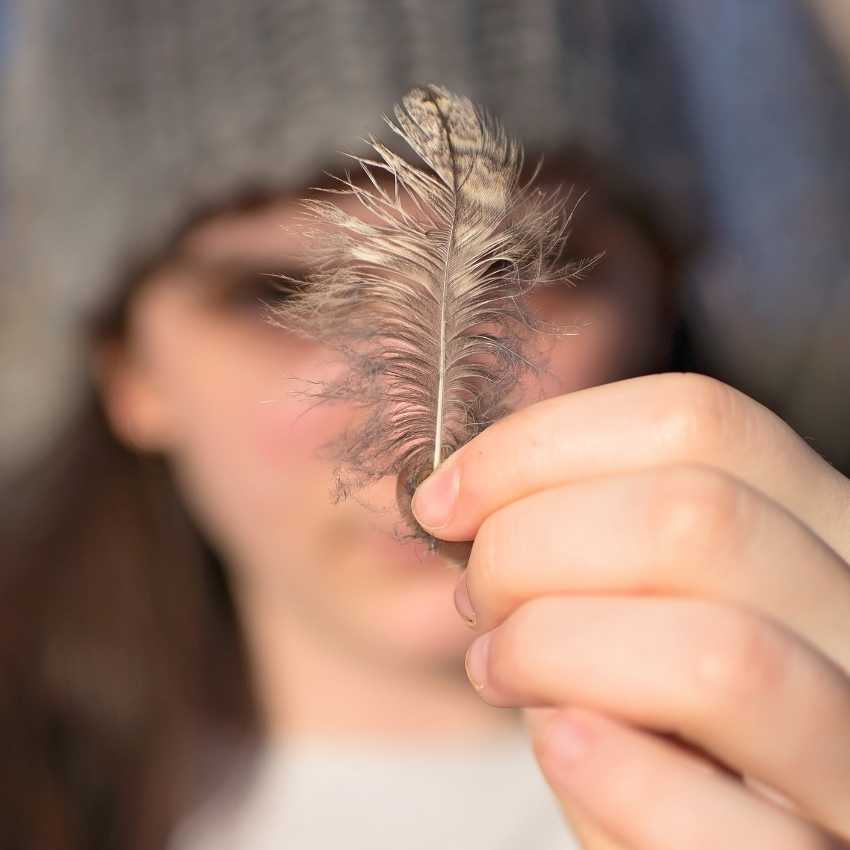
(424, 294)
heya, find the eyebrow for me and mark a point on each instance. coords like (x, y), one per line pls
(235, 267)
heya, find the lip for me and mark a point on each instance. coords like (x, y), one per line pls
(403, 553)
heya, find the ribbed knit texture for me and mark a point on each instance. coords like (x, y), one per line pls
(121, 117)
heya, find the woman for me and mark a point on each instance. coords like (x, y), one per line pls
(659, 573)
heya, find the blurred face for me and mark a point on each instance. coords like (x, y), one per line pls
(207, 381)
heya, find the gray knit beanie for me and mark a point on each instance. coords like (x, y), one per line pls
(120, 117)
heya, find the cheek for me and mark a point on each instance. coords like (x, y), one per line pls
(617, 333)
(251, 389)
(288, 432)
(247, 450)
(588, 352)
(608, 347)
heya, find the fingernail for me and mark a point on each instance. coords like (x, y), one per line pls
(434, 500)
(476, 661)
(463, 603)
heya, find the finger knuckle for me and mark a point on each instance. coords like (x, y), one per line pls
(740, 658)
(505, 659)
(487, 578)
(512, 660)
(697, 415)
(694, 508)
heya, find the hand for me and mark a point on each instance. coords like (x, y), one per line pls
(660, 575)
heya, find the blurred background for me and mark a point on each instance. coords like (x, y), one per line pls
(835, 15)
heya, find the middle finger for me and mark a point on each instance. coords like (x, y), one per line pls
(680, 530)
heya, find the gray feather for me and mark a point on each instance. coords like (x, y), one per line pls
(427, 308)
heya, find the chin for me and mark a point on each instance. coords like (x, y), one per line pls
(397, 595)
(416, 614)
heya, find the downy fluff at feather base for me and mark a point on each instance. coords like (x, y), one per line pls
(426, 305)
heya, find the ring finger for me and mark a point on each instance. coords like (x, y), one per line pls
(730, 682)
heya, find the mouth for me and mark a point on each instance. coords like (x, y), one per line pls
(406, 552)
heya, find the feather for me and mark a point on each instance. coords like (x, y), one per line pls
(426, 305)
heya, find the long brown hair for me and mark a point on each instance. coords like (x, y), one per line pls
(123, 672)
(125, 691)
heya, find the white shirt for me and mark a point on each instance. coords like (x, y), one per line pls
(316, 794)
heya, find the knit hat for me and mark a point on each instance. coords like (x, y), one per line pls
(121, 117)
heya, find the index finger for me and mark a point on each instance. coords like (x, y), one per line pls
(637, 423)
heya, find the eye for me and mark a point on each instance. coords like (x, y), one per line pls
(255, 292)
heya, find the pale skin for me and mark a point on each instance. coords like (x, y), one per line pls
(688, 575)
